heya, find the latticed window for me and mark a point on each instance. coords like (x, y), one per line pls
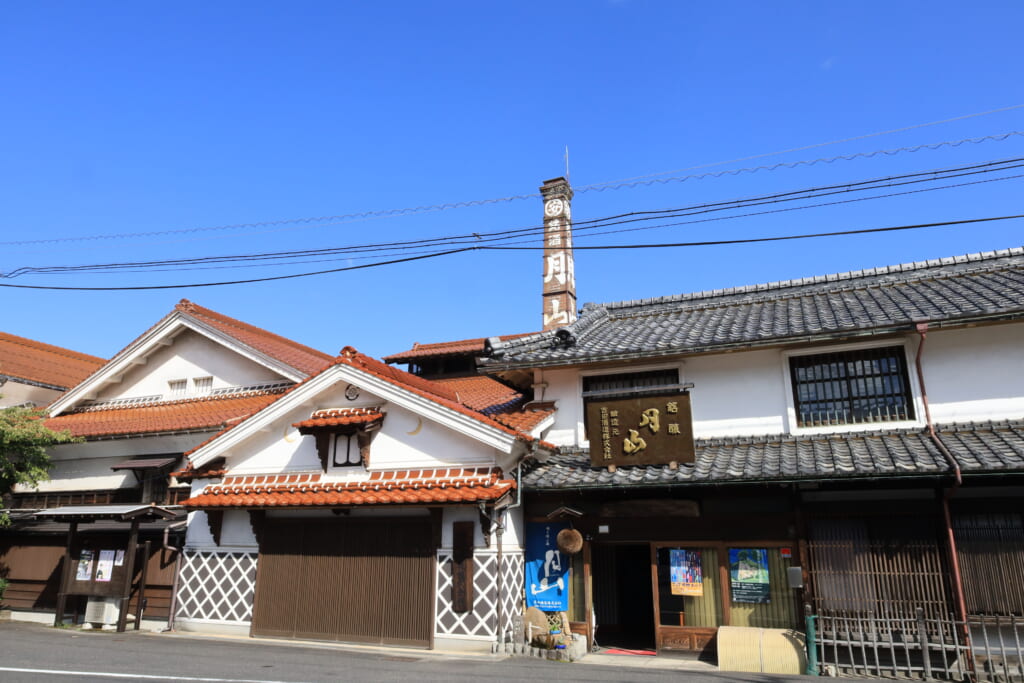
(177, 387)
(203, 385)
(851, 387)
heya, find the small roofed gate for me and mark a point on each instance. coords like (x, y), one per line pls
(358, 580)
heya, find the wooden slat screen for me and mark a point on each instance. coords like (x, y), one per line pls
(990, 548)
(889, 566)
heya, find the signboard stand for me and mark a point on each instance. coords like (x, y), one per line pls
(129, 561)
(65, 579)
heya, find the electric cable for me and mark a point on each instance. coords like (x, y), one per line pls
(580, 228)
(600, 187)
(752, 240)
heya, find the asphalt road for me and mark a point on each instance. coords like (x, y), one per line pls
(35, 654)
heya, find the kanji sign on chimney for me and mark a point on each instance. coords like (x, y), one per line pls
(559, 272)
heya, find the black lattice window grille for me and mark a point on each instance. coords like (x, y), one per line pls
(851, 387)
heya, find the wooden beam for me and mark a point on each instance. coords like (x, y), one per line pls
(462, 566)
(129, 571)
(65, 578)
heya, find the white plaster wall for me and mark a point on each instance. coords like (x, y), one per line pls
(280, 448)
(84, 474)
(190, 355)
(737, 394)
(85, 466)
(975, 374)
(14, 393)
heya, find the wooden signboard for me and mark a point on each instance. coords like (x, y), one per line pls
(644, 430)
(98, 570)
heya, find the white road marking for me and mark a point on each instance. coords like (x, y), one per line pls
(110, 674)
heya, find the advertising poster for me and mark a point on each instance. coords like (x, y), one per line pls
(547, 569)
(685, 572)
(119, 558)
(748, 570)
(105, 565)
(84, 572)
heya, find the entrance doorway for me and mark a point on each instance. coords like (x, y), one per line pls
(623, 596)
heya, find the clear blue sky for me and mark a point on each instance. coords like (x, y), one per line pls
(149, 117)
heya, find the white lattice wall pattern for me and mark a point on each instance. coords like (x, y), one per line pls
(482, 619)
(217, 586)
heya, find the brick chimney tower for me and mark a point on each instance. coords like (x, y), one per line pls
(559, 271)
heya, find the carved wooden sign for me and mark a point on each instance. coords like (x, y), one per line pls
(642, 430)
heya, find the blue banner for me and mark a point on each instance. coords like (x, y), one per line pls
(547, 568)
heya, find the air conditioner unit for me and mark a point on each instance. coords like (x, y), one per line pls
(102, 610)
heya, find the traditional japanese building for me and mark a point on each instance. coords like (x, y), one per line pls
(366, 505)
(183, 380)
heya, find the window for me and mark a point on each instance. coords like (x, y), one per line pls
(851, 387)
(177, 387)
(627, 384)
(203, 385)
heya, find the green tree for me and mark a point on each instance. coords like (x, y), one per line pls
(24, 438)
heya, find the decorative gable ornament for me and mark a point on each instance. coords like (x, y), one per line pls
(326, 426)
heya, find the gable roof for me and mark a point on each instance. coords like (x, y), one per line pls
(52, 367)
(299, 356)
(290, 359)
(158, 417)
(951, 291)
(463, 347)
(443, 401)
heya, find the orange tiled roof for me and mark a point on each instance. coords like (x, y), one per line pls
(408, 487)
(211, 470)
(210, 412)
(429, 389)
(482, 393)
(298, 356)
(452, 348)
(432, 389)
(523, 420)
(341, 416)
(34, 361)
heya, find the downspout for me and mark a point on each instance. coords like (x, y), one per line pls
(958, 586)
(499, 530)
(167, 547)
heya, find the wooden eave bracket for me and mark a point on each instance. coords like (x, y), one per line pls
(215, 518)
(364, 436)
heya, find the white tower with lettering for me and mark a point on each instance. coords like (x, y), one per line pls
(559, 271)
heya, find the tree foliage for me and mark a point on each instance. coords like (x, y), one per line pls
(24, 438)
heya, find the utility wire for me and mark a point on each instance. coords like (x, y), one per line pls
(804, 148)
(752, 240)
(600, 187)
(579, 228)
(605, 232)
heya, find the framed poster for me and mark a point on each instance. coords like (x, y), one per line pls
(84, 571)
(685, 572)
(105, 566)
(748, 574)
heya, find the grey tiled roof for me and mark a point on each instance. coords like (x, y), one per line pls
(984, 447)
(946, 291)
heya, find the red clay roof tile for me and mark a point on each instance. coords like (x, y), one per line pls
(341, 416)
(445, 485)
(298, 356)
(34, 361)
(210, 412)
(463, 347)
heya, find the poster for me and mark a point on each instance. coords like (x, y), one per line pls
(685, 572)
(84, 572)
(119, 558)
(105, 566)
(748, 573)
(547, 568)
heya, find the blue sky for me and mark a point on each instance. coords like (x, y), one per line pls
(129, 118)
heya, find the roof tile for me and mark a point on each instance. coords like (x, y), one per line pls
(26, 359)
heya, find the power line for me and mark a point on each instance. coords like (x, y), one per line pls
(599, 187)
(806, 147)
(579, 228)
(753, 240)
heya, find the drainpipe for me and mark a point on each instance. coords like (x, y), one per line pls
(958, 586)
(499, 531)
(167, 547)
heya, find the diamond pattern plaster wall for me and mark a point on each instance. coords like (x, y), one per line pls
(217, 586)
(480, 622)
